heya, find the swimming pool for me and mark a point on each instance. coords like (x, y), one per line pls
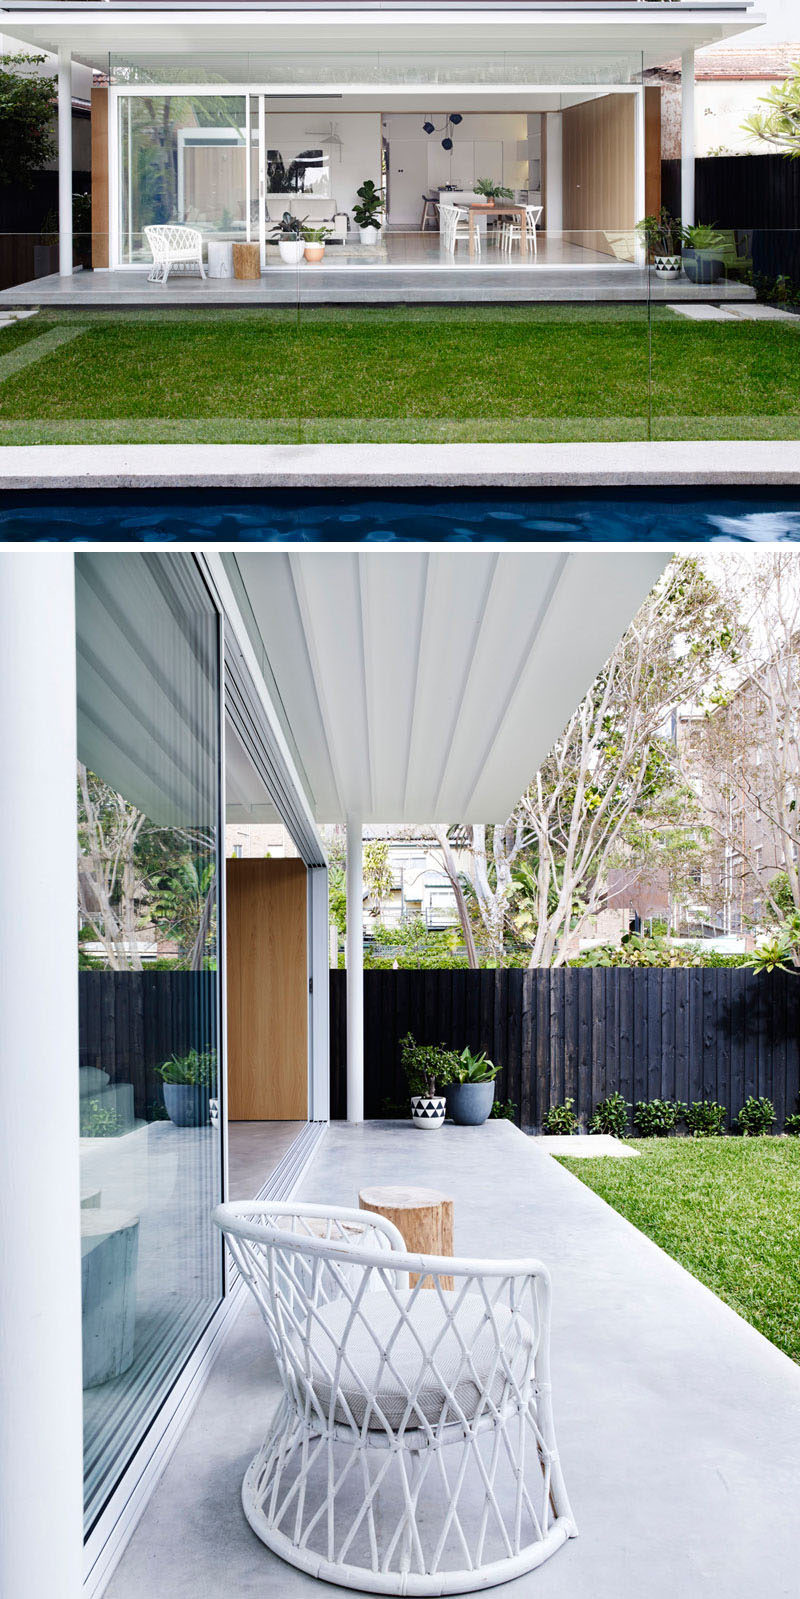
(485, 515)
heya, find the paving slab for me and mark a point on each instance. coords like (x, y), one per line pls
(702, 313)
(588, 1148)
(678, 1424)
(764, 313)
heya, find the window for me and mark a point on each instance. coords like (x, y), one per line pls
(148, 850)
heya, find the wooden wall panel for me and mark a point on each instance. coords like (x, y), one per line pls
(99, 177)
(267, 990)
(599, 173)
(652, 151)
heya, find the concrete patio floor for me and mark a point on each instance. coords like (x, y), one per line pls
(678, 1424)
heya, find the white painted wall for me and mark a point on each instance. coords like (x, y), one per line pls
(554, 214)
(359, 158)
(490, 144)
(719, 111)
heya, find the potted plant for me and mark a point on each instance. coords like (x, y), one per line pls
(429, 1069)
(492, 191)
(288, 235)
(189, 1080)
(314, 239)
(368, 212)
(471, 1096)
(663, 236)
(702, 253)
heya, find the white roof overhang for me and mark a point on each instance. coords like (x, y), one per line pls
(429, 686)
(653, 28)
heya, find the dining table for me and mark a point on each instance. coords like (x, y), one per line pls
(507, 208)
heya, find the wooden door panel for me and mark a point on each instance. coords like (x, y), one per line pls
(267, 990)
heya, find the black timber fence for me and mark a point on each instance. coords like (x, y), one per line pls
(755, 194)
(130, 1022)
(719, 1033)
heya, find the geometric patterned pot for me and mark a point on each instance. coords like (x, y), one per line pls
(667, 266)
(427, 1111)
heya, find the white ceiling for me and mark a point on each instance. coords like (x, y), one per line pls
(428, 687)
(660, 31)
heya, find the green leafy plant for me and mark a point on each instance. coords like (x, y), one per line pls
(98, 1121)
(476, 1068)
(367, 213)
(611, 1116)
(288, 228)
(792, 1125)
(705, 1119)
(503, 1110)
(779, 125)
(756, 1117)
(663, 234)
(561, 1119)
(491, 190)
(317, 235)
(777, 952)
(196, 1069)
(656, 1118)
(704, 236)
(428, 1067)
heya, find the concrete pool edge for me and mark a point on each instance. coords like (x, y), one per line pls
(674, 464)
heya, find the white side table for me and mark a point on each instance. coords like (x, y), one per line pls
(220, 258)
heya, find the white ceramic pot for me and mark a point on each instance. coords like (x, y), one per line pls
(667, 266)
(369, 235)
(427, 1111)
(291, 251)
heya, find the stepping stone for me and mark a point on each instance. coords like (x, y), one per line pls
(20, 316)
(765, 313)
(584, 1148)
(700, 312)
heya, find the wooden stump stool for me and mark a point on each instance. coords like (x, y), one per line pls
(423, 1216)
(246, 261)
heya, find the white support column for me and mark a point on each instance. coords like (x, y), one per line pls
(64, 163)
(41, 1454)
(319, 998)
(355, 970)
(687, 138)
(554, 177)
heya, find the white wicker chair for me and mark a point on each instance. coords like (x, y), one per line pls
(171, 244)
(413, 1449)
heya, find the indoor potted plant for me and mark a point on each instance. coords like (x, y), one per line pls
(492, 191)
(368, 212)
(288, 235)
(189, 1080)
(471, 1095)
(314, 240)
(429, 1069)
(703, 259)
(663, 236)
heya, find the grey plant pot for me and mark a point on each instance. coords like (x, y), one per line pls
(702, 266)
(187, 1105)
(469, 1104)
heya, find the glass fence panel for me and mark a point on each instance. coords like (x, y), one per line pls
(375, 67)
(725, 334)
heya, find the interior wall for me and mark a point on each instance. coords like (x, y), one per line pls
(267, 966)
(504, 146)
(599, 174)
(359, 157)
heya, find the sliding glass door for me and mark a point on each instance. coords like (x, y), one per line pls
(149, 848)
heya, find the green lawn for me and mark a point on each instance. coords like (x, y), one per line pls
(728, 1209)
(541, 372)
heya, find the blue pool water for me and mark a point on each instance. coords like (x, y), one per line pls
(400, 516)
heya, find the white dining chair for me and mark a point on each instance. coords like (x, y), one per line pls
(413, 1449)
(454, 226)
(511, 231)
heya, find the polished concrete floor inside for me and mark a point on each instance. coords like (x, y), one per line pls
(678, 1424)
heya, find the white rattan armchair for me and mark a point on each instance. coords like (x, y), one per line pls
(413, 1449)
(171, 244)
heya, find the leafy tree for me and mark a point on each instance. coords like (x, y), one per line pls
(610, 792)
(779, 124)
(378, 875)
(26, 120)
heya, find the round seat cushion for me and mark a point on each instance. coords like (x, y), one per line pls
(446, 1371)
